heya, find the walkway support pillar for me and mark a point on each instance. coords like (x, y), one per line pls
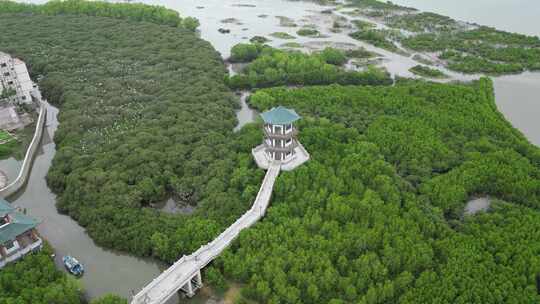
(198, 279)
(188, 289)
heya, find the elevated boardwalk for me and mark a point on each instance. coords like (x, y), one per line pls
(185, 274)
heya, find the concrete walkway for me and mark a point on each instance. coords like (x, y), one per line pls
(183, 272)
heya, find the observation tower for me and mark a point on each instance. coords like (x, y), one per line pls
(280, 143)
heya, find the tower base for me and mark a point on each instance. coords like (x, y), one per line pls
(263, 160)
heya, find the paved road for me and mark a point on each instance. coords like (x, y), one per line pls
(171, 280)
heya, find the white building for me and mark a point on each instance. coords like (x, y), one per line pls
(15, 82)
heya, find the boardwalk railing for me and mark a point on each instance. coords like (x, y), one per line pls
(186, 271)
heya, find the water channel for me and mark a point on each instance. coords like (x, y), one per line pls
(107, 271)
(477, 205)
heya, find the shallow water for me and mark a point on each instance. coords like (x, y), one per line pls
(246, 114)
(520, 16)
(518, 98)
(476, 205)
(172, 207)
(10, 166)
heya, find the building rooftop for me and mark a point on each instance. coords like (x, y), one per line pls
(5, 208)
(19, 224)
(280, 116)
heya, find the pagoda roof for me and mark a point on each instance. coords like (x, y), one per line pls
(280, 116)
(5, 208)
(19, 224)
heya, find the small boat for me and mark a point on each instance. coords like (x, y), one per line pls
(73, 266)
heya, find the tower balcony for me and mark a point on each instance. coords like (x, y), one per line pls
(263, 160)
(287, 134)
(287, 148)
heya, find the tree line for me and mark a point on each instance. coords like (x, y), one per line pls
(273, 67)
(129, 11)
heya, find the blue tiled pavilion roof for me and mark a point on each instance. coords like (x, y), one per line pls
(5, 208)
(280, 116)
(19, 225)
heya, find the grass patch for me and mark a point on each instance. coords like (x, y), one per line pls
(360, 53)
(308, 32)
(422, 59)
(282, 35)
(259, 39)
(422, 70)
(286, 21)
(5, 137)
(363, 25)
(377, 38)
(15, 144)
(295, 45)
(8, 148)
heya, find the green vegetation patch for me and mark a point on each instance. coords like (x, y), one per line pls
(466, 48)
(363, 25)
(128, 11)
(339, 23)
(377, 5)
(246, 52)
(5, 137)
(231, 21)
(484, 50)
(7, 93)
(422, 59)
(294, 45)
(378, 38)
(259, 39)
(309, 32)
(8, 144)
(273, 67)
(15, 143)
(424, 22)
(360, 53)
(282, 35)
(422, 70)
